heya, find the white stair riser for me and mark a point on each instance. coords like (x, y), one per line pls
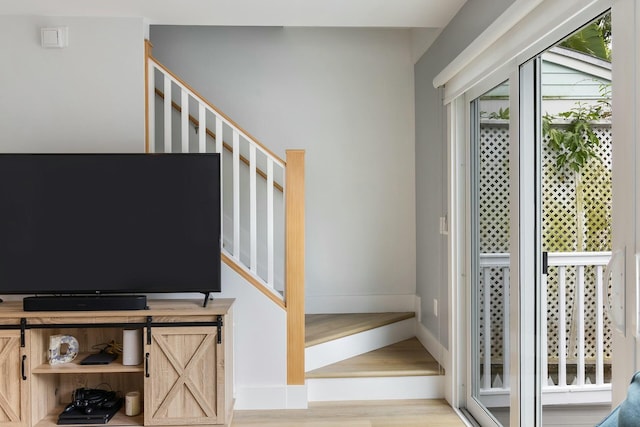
(334, 351)
(381, 388)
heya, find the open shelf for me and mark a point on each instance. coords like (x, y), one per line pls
(74, 367)
(119, 419)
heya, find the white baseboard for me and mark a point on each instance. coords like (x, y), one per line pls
(433, 346)
(359, 304)
(334, 351)
(384, 388)
(271, 397)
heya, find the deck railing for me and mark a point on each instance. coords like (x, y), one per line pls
(577, 369)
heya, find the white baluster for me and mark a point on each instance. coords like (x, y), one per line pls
(562, 334)
(220, 149)
(219, 140)
(202, 128)
(599, 327)
(506, 356)
(270, 226)
(167, 115)
(152, 108)
(486, 284)
(185, 121)
(253, 216)
(580, 302)
(236, 194)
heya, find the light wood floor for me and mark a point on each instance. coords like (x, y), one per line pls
(320, 328)
(563, 415)
(388, 413)
(406, 358)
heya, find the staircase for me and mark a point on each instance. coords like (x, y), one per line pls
(343, 356)
(368, 356)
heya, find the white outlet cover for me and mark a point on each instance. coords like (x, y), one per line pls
(54, 37)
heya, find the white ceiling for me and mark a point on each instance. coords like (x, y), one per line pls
(433, 14)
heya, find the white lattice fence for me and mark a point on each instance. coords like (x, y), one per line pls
(560, 234)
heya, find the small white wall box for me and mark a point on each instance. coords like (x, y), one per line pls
(57, 37)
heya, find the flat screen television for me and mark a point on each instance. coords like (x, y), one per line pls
(106, 224)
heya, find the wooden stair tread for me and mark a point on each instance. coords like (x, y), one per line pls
(405, 358)
(321, 328)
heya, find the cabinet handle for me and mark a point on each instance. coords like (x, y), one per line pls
(24, 358)
(146, 365)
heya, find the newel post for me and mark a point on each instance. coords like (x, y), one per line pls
(294, 265)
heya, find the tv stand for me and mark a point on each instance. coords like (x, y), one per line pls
(85, 303)
(185, 377)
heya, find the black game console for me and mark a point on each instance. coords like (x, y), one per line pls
(91, 406)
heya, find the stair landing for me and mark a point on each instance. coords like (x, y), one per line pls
(368, 356)
(321, 328)
(405, 358)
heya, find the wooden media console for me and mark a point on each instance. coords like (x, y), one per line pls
(185, 376)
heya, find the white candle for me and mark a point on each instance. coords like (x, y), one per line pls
(132, 403)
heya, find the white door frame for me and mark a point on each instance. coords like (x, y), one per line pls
(626, 184)
(463, 287)
(524, 151)
(526, 288)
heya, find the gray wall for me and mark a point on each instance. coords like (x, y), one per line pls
(346, 96)
(87, 97)
(431, 155)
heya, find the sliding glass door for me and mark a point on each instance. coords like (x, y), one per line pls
(488, 294)
(539, 335)
(576, 201)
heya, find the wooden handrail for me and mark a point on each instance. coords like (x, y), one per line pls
(212, 134)
(214, 108)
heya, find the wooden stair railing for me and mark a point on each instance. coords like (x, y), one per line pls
(211, 134)
(290, 175)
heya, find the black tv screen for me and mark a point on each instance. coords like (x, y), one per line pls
(109, 223)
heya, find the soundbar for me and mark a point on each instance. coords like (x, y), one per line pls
(85, 303)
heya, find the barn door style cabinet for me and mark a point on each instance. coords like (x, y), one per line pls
(185, 377)
(13, 390)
